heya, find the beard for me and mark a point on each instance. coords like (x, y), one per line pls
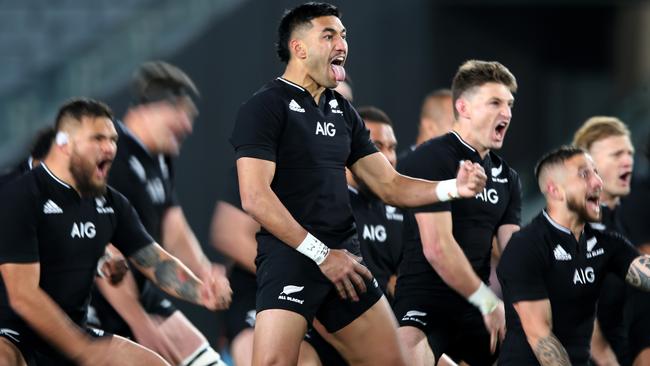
(581, 209)
(82, 171)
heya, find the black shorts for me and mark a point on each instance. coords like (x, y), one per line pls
(102, 315)
(241, 313)
(35, 350)
(289, 280)
(452, 325)
(637, 320)
(327, 354)
(610, 315)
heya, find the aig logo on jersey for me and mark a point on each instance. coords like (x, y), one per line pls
(374, 233)
(83, 230)
(584, 276)
(488, 195)
(325, 129)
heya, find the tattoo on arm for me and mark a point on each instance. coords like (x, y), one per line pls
(146, 257)
(170, 276)
(167, 274)
(638, 275)
(550, 352)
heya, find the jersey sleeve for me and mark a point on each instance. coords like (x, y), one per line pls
(230, 192)
(19, 216)
(361, 145)
(513, 211)
(172, 197)
(623, 253)
(258, 128)
(429, 162)
(521, 270)
(129, 235)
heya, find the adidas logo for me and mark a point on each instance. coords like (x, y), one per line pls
(51, 208)
(561, 254)
(294, 106)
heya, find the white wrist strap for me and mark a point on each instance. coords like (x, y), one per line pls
(447, 190)
(314, 249)
(484, 299)
(100, 263)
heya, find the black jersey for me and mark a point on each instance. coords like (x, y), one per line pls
(379, 228)
(145, 179)
(311, 144)
(545, 261)
(44, 220)
(635, 210)
(475, 221)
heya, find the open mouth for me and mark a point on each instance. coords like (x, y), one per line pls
(103, 167)
(337, 67)
(625, 178)
(500, 130)
(593, 202)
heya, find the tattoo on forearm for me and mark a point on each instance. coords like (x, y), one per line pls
(146, 257)
(550, 352)
(171, 277)
(168, 275)
(638, 275)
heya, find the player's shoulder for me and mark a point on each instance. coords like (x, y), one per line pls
(500, 162)
(603, 234)
(531, 235)
(442, 149)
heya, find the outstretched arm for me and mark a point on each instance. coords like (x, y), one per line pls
(399, 190)
(535, 318)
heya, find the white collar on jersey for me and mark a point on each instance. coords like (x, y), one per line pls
(54, 177)
(555, 224)
(290, 83)
(463, 141)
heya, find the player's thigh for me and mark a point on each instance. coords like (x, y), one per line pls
(10, 354)
(471, 341)
(278, 334)
(129, 353)
(241, 347)
(415, 346)
(371, 338)
(308, 355)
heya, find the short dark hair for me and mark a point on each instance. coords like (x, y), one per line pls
(42, 143)
(556, 157)
(475, 73)
(374, 114)
(299, 16)
(77, 108)
(158, 80)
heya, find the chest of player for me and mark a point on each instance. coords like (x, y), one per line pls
(314, 135)
(147, 180)
(576, 269)
(488, 206)
(378, 225)
(68, 230)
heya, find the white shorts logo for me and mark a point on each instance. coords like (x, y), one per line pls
(288, 290)
(412, 315)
